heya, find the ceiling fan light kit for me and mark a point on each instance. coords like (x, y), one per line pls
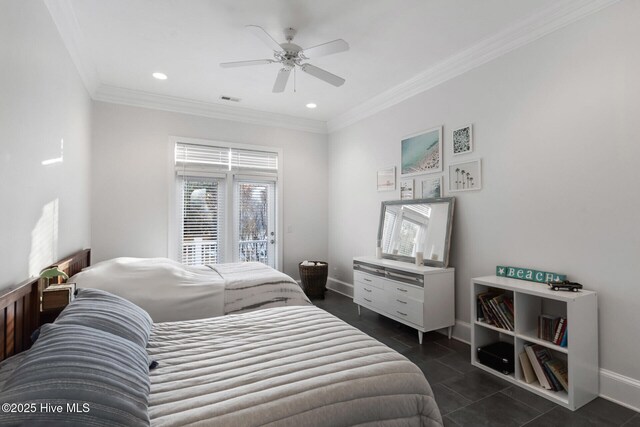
(290, 55)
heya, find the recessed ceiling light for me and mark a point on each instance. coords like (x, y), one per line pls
(160, 76)
(311, 105)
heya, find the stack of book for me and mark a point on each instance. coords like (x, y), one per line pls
(538, 364)
(496, 308)
(553, 329)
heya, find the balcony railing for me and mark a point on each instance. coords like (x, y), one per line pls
(253, 250)
(204, 252)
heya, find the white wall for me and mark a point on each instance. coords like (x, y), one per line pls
(556, 126)
(44, 213)
(130, 166)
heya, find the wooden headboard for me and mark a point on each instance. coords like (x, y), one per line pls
(20, 306)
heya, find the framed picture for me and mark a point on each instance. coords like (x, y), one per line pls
(406, 189)
(422, 152)
(462, 140)
(387, 179)
(465, 176)
(431, 188)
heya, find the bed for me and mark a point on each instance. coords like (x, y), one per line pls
(170, 291)
(282, 366)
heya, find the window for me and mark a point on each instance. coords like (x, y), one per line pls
(227, 203)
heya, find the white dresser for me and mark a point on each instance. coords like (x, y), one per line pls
(420, 297)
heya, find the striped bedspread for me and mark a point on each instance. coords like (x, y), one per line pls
(285, 366)
(252, 285)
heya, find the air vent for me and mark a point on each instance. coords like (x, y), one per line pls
(230, 98)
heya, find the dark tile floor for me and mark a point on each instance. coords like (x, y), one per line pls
(468, 396)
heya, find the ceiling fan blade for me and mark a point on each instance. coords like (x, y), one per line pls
(322, 74)
(260, 33)
(326, 49)
(281, 80)
(246, 63)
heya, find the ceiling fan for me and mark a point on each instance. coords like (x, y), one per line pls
(291, 55)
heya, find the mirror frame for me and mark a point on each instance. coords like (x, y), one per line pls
(447, 243)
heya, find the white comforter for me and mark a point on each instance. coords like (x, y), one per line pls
(286, 366)
(170, 291)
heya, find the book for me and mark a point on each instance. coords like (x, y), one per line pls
(531, 350)
(496, 308)
(544, 355)
(499, 315)
(527, 369)
(479, 311)
(555, 384)
(563, 343)
(562, 325)
(547, 325)
(484, 299)
(559, 371)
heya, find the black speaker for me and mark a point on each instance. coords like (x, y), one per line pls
(498, 356)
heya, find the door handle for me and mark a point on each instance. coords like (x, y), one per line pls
(272, 241)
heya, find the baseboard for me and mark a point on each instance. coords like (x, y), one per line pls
(340, 287)
(620, 389)
(461, 331)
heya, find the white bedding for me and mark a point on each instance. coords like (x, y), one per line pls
(170, 291)
(285, 366)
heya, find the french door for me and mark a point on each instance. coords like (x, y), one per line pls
(254, 212)
(228, 219)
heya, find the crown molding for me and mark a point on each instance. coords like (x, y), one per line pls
(519, 34)
(65, 20)
(136, 98)
(561, 14)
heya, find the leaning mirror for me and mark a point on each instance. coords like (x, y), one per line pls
(409, 227)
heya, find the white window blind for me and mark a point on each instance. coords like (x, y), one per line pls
(224, 158)
(202, 211)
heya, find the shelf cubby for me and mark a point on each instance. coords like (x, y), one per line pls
(530, 301)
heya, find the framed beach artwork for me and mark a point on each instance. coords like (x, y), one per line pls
(387, 179)
(422, 152)
(462, 140)
(465, 176)
(406, 189)
(431, 188)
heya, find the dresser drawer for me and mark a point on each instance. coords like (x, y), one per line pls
(400, 289)
(368, 295)
(368, 279)
(407, 309)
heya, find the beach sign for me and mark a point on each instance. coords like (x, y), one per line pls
(529, 274)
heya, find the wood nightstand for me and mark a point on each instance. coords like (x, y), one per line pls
(48, 316)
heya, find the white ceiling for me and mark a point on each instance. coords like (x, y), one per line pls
(121, 42)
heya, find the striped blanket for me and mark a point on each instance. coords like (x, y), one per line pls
(281, 367)
(252, 285)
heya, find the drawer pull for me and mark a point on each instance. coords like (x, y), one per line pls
(399, 312)
(401, 302)
(368, 290)
(366, 280)
(402, 290)
(367, 300)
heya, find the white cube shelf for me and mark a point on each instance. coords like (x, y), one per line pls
(530, 300)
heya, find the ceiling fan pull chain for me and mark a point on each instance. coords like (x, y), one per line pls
(294, 79)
